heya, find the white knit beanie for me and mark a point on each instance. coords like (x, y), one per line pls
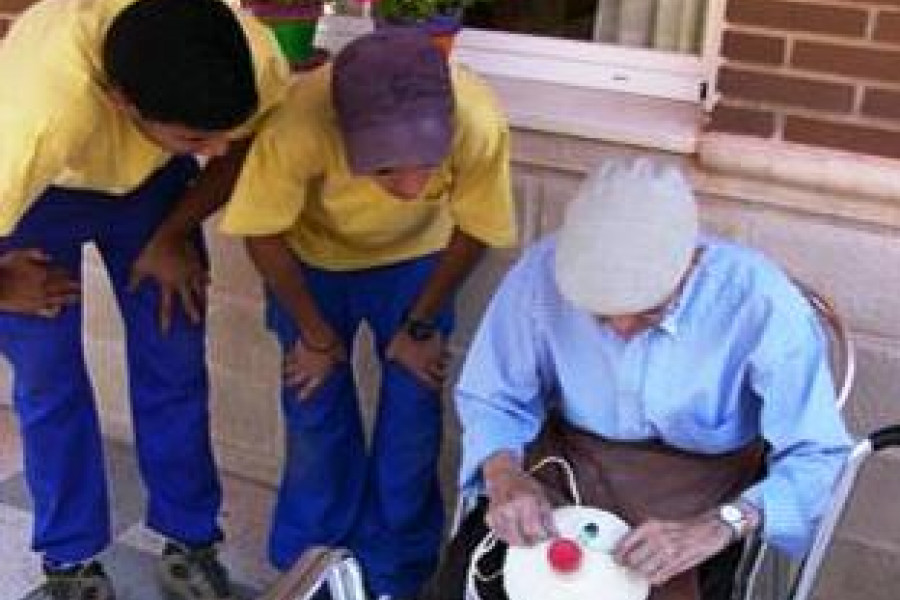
(628, 237)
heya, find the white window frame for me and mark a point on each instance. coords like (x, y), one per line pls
(641, 98)
(581, 64)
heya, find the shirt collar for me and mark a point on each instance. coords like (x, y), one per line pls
(675, 312)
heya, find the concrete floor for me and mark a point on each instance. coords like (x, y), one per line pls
(130, 561)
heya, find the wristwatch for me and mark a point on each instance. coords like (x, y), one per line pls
(420, 329)
(733, 516)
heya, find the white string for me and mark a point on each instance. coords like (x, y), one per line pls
(567, 469)
(473, 573)
(489, 542)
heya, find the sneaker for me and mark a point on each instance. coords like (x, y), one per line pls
(81, 582)
(193, 573)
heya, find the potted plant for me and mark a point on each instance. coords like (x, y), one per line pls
(442, 19)
(293, 22)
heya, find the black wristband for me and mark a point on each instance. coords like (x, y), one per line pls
(419, 329)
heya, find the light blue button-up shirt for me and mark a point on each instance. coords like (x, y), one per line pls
(738, 355)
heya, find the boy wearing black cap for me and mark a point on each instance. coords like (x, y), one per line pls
(105, 103)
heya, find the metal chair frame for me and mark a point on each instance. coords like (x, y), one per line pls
(318, 567)
(843, 354)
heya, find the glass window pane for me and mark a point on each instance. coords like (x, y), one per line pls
(671, 25)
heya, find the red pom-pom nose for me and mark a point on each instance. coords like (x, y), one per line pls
(564, 555)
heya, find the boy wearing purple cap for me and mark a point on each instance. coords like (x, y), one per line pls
(370, 196)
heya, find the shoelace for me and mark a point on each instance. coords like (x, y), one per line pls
(66, 584)
(205, 559)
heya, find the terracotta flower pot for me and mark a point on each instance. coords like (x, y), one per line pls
(442, 28)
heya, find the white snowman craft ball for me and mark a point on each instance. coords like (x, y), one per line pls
(578, 565)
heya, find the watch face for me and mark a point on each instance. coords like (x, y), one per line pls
(731, 514)
(734, 518)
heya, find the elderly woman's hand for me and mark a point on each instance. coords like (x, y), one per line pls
(518, 510)
(660, 550)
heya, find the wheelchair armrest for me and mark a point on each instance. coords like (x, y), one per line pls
(316, 567)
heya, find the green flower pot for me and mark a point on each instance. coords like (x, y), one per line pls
(292, 23)
(295, 37)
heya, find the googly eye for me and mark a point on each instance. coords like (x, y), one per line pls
(589, 537)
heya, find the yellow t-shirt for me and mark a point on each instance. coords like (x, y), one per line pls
(59, 127)
(296, 181)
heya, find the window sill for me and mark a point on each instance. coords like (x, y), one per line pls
(614, 117)
(820, 181)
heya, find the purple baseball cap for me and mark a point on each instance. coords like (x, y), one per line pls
(394, 101)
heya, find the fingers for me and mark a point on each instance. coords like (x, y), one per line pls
(190, 303)
(173, 264)
(430, 376)
(296, 375)
(426, 360)
(628, 545)
(650, 550)
(524, 521)
(432, 371)
(58, 289)
(505, 523)
(36, 255)
(642, 558)
(191, 297)
(306, 384)
(549, 525)
(437, 370)
(671, 567)
(134, 280)
(534, 525)
(49, 312)
(307, 370)
(166, 298)
(200, 287)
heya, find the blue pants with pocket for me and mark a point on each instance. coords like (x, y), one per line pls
(383, 503)
(168, 385)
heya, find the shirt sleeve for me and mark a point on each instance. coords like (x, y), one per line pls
(273, 77)
(499, 397)
(272, 188)
(481, 202)
(48, 106)
(790, 373)
(39, 136)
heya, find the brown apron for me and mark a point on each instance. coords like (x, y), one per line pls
(643, 480)
(635, 480)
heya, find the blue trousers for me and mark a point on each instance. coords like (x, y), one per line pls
(168, 385)
(383, 503)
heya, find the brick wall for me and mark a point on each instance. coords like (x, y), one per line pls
(819, 72)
